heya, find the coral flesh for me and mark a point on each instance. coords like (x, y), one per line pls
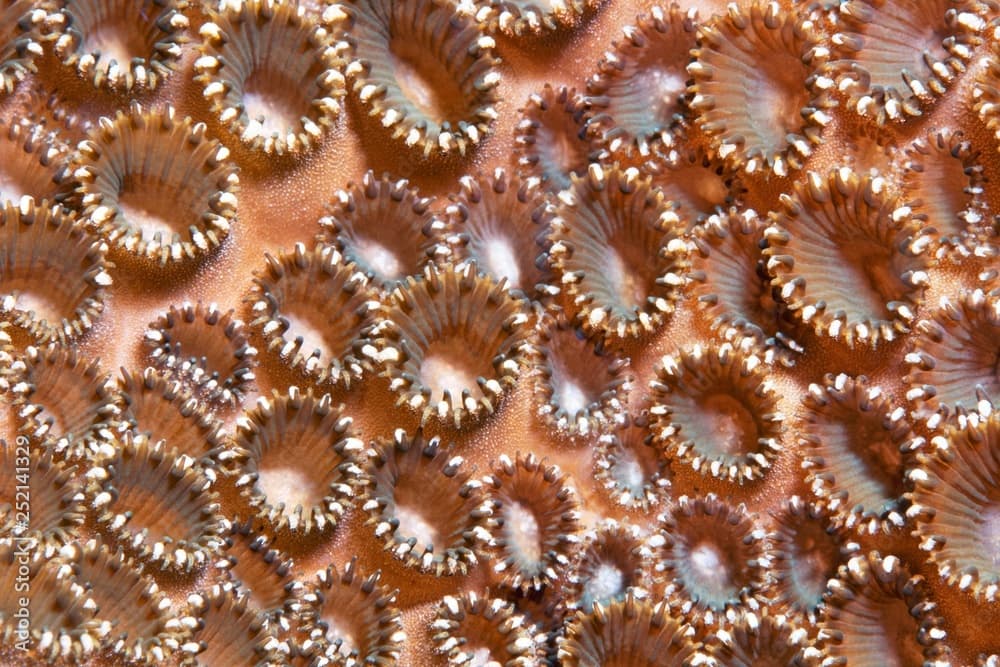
(499, 332)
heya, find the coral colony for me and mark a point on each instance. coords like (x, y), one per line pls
(495, 333)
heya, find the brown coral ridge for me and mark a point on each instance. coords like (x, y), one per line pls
(314, 309)
(272, 73)
(451, 343)
(618, 253)
(122, 45)
(424, 70)
(155, 187)
(55, 273)
(294, 461)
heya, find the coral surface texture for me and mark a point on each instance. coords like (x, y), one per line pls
(499, 333)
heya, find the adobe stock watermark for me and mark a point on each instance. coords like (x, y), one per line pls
(22, 544)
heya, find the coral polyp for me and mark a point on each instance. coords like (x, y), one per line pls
(137, 622)
(698, 184)
(226, 630)
(350, 618)
(613, 561)
(631, 468)
(712, 556)
(536, 519)
(120, 44)
(34, 162)
(272, 74)
(204, 348)
(159, 411)
(728, 276)
(426, 72)
(956, 503)
(874, 593)
(313, 310)
(63, 625)
(382, 225)
(155, 506)
(501, 224)
(943, 176)
(765, 638)
(714, 411)
(648, 64)
(551, 141)
(452, 343)
(881, 255)
(20, 27)
(530, 18)
(576, 388)
(63, 402)
(132, 172)
(952, 360)
(469, 627)
(424, 507)
(857, 452)
(790, 92)
(626, 633)
(293, 459)
(889, 71)
(808, 550)
(57, 502)
(260, 573)
(54, 274)
(617, 252)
